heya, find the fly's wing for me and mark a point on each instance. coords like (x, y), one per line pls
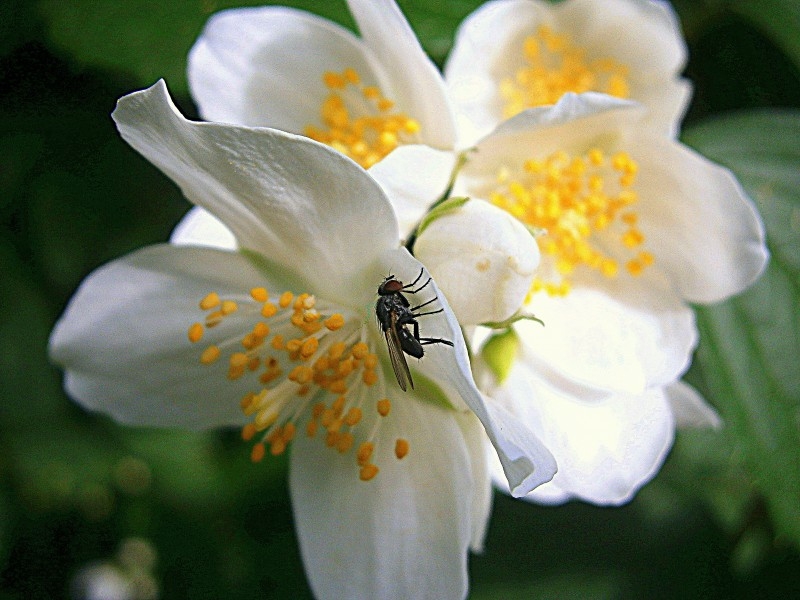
(399, 364)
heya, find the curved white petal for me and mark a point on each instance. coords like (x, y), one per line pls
(689, 407)
(606, 450)
(412, 80)
(403, 534)
(526, 461)
(482, 258)
(284, 196)
(198, 227)
(123, 338)
(702, 228)
(413, 177)
(622, 335)
(645, 36)
(264, 66)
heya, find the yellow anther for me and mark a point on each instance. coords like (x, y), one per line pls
(311, 428)
(334, 322)
(238, 359)
(345, 368)
(369, 377)
(331, 438)
(210, 354)
(210, 301)
(338, 405)
(214, 318)
(285, 299)
(328, 417)
(367, 472)
(288, 432)
(195, 332)
(309, 347)
(333, 80)
(337, 387)
(293, 346)
(401, 447)
(248, 431)
(360, 350)
(301, 374)
(228, 307)
(268, 310)
(384, 406)
(261, 330)
(257, 453)
(353, 416)
(370, 361)
(277, 447)
(364, 452)
(336, 350)
(259, 294)
(345, 442)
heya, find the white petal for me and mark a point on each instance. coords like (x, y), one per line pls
(264, 66)
(526, 461)
(689, 407)
(200, 228)
(606, 450)
(123, 338)
(476, 442)
(621, 335)
(702, 228)
(413, 81)
(288, 198)
(482, 258)
(413, 177)
(403, 534)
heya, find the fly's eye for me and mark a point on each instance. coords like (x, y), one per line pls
(391, 286)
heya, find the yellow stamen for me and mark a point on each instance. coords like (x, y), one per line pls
(384, 406)
(195, 332)
(401, 448)
(553, 66)
(357, 120)
(210, 301)
(577, 201)
(310, 368)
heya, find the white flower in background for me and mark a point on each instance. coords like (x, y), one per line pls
(389, 489)
(636, 226)
(510, 55)
(291, 70)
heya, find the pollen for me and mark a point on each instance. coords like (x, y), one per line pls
(585, 206)
(553, 65)
(306, 368)
(359, 121)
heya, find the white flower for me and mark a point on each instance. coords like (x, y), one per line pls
(292, 70)
(637, 226)
(390, 489)
(510, 55)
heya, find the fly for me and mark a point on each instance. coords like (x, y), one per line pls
(395, 315)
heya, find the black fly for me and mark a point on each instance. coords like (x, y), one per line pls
(395, 314)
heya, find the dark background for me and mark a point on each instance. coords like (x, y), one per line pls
(720, 521)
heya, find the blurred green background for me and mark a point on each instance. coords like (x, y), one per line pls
(187, 515)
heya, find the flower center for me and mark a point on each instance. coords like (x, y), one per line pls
(553, 66)
(309, 371)
(582, 205)
(358, 120)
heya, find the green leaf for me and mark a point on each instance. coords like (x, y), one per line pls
(777, 19)
(148, 39)
(750, 344)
